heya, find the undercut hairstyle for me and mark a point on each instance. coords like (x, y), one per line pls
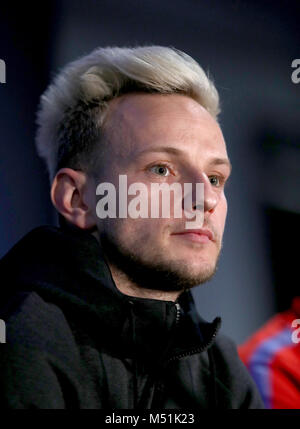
(72, 110)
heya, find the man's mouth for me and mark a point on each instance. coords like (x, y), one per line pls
(196, 235)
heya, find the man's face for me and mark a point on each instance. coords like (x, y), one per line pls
(155, 138)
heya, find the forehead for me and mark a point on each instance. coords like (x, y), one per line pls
(135, 122)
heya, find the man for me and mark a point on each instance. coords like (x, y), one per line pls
(99, 312)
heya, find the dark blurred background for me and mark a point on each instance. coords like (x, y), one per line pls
(248, 48)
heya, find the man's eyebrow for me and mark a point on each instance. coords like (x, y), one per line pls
(174, 151)
(168, 149)
(221, 161)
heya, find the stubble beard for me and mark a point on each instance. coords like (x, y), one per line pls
(155, 273)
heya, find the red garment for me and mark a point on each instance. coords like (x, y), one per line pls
(272, 357)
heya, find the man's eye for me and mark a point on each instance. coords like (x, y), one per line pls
(215, 180)
(161, 170)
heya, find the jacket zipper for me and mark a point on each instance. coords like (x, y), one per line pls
(197, 349)
(177, 313)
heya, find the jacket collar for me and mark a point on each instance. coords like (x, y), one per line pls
(67, 266)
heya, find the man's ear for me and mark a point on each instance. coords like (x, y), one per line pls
(73, 196)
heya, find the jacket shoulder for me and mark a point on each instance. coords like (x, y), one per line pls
(34, 323)
(38, 363)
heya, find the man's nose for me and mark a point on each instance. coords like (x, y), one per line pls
(210, 196)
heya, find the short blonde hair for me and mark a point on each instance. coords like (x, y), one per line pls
(72, 108)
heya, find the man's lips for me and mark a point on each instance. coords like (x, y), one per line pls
(198, 235)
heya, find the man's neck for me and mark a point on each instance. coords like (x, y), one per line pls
(127, 287)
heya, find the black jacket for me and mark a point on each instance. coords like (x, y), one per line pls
(74, 341)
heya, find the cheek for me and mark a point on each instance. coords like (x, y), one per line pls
(222, 212)
(145, 234)
(130, 230)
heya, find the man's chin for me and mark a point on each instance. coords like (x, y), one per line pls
(174, 278)
(164, 276)
(154, 272)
